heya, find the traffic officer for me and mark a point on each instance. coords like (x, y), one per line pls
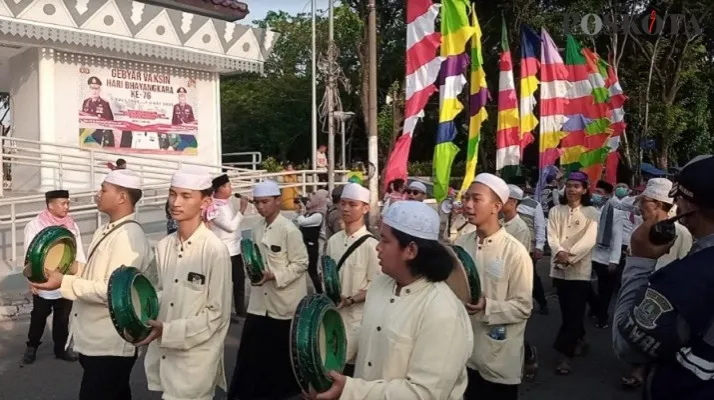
(94, 105)
(183, 113)
(666, 317)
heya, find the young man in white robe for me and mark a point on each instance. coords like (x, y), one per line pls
(263, 369)
(106, 358)
(46, 302)
(185, 355)
(499, 317)
(415, 335)
(361, 265)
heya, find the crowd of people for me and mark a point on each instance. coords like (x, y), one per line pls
(409, 334)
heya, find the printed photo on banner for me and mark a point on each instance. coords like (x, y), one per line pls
(137, 111)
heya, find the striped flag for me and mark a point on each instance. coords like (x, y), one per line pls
(455, 31)
(422, 67)
(617, 101)
(553, 100)
(530, 46)
(477, 101)
(508, 129)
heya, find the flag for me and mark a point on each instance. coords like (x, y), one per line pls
(477, 101)
(455, 32)
(530, 46)
(553, 100)
(422, 65)
(508, 129)
(617, 101)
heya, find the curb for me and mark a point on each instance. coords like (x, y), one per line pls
(15, 310)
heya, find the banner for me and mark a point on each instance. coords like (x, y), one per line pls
(137, 111)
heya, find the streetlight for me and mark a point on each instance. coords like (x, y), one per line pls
(343, 116)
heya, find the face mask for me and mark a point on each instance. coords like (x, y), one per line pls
(596, 198)
(621, 192)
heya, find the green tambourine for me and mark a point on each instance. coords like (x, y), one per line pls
(331, 279)
(132, 302)
(252, 260)
(471, 273)
(53, 248)
(318, 342)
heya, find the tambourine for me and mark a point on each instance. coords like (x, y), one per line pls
(53, 248)
(252, 260)
(464, 280)
(331, 279)
(132, 303)
(318, 343)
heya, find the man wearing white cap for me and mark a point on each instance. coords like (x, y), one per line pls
(355, 251)
(512, 222)
(414, 338)
(506, 274)
(416, 191)
(656, 204)
(106, 358)
(185, 355)
(263, 369)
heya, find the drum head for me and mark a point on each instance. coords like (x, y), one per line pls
(252, 260)
(53, 248)
(132, 302)
(458, 280)
(318, 342)
(331, 279)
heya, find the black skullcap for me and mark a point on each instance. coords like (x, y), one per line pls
(220, 181)
(56, 194)
(606, 186)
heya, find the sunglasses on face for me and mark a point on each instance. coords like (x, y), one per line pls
(414, 192)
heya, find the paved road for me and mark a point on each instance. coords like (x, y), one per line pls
(595, 377)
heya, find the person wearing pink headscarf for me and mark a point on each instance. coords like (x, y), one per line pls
(45, 302)
(310, 223)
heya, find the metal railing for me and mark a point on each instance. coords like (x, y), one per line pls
(256, 158)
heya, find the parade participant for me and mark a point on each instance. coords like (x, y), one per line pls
(606, 253)
(224, 222)
(354, 248)
(263, 369)
(416, 191)
(666, 316)
(512, 221)
(310, 221)
(333, 218)
(106, 358)
(185, 355)
(395, 192)
(458, 224)
(46, 302)
(572, 234)
(506, 273)
(655, 203)
(531, 212)
(415, 337)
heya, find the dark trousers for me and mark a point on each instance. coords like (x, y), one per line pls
(572, 297)
(238, 273)
(606, 283)
(263, 370)
(479, 388)
(538, 292)
(41, 309)
(313, 254)
(106, 377)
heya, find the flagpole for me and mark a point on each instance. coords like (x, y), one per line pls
(313, 149)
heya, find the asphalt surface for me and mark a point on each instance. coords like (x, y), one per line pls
(594, 377)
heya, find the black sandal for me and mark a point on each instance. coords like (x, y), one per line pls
(530, 367)
(563, 368)
(631, 382)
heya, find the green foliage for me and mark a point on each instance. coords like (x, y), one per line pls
(270, 164)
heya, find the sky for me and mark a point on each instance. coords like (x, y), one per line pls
(259, 8)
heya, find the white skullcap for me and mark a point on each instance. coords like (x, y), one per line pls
(413, 218)
(191, 179)
(496, 184)
(267, 188)
(124, 178)
(515, 192)
(658, 189)
(355, 191)
(416, 185)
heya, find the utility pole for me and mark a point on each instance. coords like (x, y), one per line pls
(372, 113)
(331, 100)
(313, 150)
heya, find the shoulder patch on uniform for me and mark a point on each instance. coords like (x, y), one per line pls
(652, 306)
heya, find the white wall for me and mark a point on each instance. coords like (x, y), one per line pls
(24, 89)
